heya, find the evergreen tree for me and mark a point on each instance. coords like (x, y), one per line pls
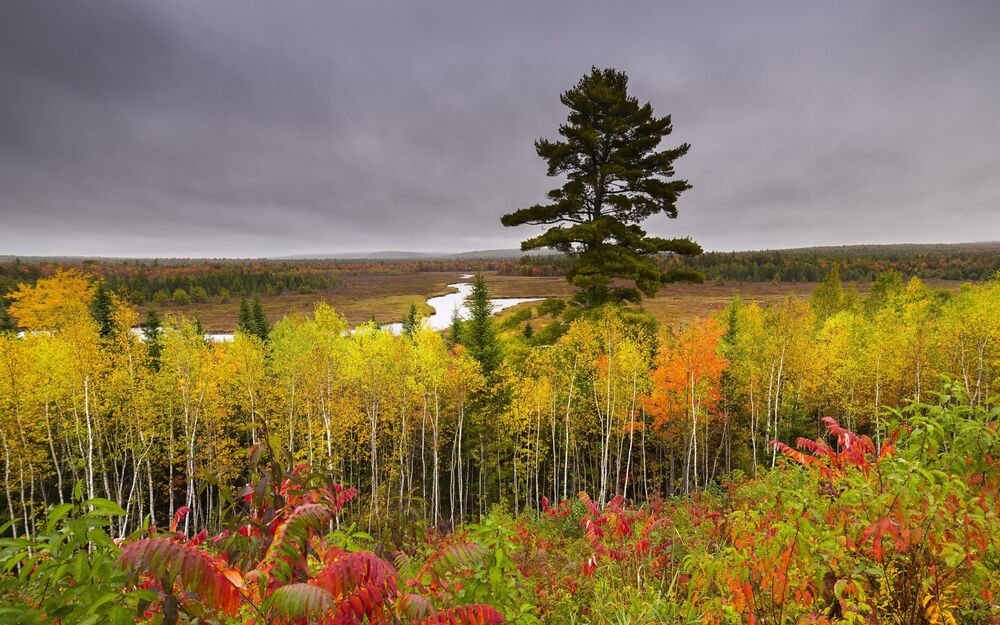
(410, 321)
(478, 334)
(151, 331)
(260, 324)
(456, 326)
(6, 323)
(616, 179)
(244, 322)
(100, 309)
(528, 331)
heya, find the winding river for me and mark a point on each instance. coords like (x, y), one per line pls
(444, 307)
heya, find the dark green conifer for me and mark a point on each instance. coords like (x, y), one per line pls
(6, 323)
(478, 334)
(244, 321)
(410, 321)
(615, 179)
(260, 324)
(100, 309)
(151, 332)
(456, 326)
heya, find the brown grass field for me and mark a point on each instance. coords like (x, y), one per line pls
(387, 297)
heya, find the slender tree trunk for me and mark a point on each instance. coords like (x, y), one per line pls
(6, 484)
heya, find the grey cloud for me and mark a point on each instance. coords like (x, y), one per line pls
(250, 129)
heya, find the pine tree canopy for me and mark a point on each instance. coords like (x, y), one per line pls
(616, 178)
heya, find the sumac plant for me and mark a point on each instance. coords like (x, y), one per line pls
(904, 534)
(276, 566)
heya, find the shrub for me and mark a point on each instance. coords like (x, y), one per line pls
(181, 297)
(198, 294)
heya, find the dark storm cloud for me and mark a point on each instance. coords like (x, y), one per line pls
(234, 128)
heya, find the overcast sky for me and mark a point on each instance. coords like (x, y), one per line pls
(218, 128)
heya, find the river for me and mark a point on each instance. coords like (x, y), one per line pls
(444, 307)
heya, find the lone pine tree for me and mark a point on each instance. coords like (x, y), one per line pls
(616, 178)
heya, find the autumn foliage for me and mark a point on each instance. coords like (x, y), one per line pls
(803, 462)
(301, 577)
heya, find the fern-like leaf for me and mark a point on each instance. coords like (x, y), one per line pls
(452, 558)
(414, 608)
(291, 536)
(475, 614)
(794, 454)
(817, 448)
(359, 569)
(199, 573)
(300, 603)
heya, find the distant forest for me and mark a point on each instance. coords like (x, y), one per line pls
(857, 263)
(145, 281)
(157, 280)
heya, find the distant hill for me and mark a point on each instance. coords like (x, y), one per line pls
(890, 249)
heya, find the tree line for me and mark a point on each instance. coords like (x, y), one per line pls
(855, 263)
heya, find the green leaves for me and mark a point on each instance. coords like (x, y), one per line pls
(66, 573)
(299, 602)
(103, 507)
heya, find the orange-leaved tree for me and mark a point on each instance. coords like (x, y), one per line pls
(686, 383)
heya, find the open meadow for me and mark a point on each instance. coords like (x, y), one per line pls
(387, 297)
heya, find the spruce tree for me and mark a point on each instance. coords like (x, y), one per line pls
(151, 332)
(100, 309)
(260, 325)
(456, 326)
(410, 321)
(244, 321)
(615, 179)
(478, 333)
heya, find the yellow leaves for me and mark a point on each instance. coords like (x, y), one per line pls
(938, 608)
(53, 303)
